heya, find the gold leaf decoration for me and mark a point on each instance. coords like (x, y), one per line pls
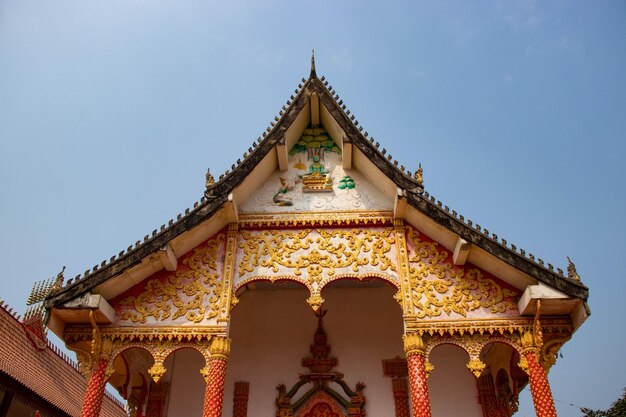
(316, 253)
(440, 287)
(193, 292)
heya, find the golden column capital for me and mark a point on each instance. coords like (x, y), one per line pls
(398, 223)
(219, 347)
(414, 344)
(527, 340)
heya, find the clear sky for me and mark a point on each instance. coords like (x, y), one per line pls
(111, 112)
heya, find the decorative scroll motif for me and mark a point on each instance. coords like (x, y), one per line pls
(316, 257)
(439, 287)
(192, 293)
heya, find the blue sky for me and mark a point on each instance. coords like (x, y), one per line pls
(111, 112)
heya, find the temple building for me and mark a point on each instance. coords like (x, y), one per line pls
(318, 278)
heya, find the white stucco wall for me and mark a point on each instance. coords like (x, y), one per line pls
(272, 330)
(451, 386)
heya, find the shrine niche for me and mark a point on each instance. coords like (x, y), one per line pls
(328, 395)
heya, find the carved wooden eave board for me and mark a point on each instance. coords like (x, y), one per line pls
(364, 187)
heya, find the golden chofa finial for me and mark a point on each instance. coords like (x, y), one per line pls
(210, 180)
(571, 270)
(419, 175)
(313, 73)
(58, 283)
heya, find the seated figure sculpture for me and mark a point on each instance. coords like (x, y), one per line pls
(317, 179)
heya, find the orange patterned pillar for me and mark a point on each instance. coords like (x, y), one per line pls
(415, 350)
(240, 399)
(539, 386)
(214, 374)
(95, 390)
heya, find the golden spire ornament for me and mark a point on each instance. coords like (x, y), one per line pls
(419, 175)
(210, 180)
(571, 270)
(313, 73)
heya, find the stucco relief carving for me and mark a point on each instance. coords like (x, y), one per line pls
(438, 287)
(315, 257)
(316, 181)
(191, 295)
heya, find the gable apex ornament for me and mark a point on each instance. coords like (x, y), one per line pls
(419, 175)
(571, 270)
(209, 183)
(313, 73)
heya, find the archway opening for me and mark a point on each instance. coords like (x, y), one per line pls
(184, 382)
(452, 379)
(272, 331)
(501, 382)
(132, 380)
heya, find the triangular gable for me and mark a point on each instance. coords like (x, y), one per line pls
(316, 179)
(258, 176)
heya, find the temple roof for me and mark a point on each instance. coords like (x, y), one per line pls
(48, 372)
(410, 192)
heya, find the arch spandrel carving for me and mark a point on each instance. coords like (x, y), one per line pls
(189, 296)
(316, 257)
(440, 290)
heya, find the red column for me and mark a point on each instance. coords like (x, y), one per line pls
(400, 397)
(415, 349)
(539, 387)
(240, 399)
(214, 374)
(95, 390)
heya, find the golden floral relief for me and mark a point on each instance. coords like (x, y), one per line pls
(437, 286)
(316, 255)
(193, 292)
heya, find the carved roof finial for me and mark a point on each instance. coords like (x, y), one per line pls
(313, 73)
(419, 175)
(58, 283)
(571, 270)
(210, 180)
